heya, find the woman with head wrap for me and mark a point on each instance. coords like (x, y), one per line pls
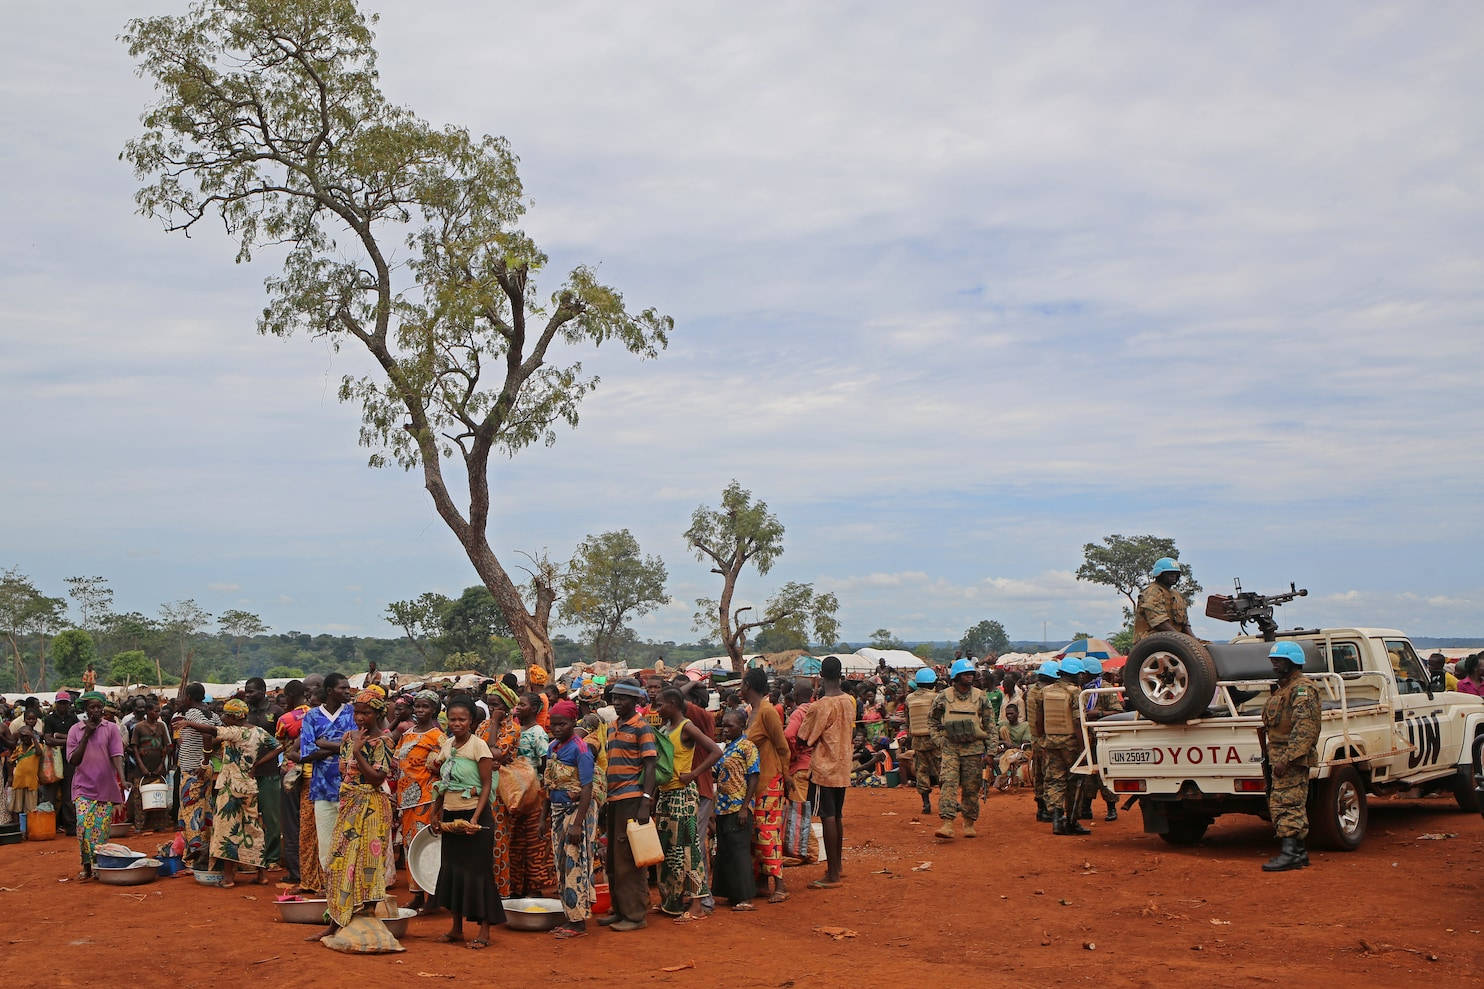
(355, 880)
(236, 821)
(466, 790)
(531, 867)
(95, 753)
(569, 779)
(500, 733)
(415, 776)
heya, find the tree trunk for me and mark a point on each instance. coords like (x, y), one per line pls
(41, 665)
(724, 610)
(22, 683)
(530, 635)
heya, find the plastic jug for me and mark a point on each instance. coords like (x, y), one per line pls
(644, 842)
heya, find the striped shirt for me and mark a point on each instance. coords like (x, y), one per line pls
(629, 744)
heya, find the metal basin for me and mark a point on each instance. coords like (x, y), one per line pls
(301, 911)
(533, 914)
(398, 924)
(134, 875)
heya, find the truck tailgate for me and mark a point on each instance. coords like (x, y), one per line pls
(1144, 757)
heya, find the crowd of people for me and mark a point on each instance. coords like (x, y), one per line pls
(548, 789)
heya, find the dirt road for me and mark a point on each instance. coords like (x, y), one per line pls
(1014, 906)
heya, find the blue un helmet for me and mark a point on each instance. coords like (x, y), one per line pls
(1164, 565)
(960, 666)
(1093, 666)
(1048, 669)
(925, 677)
(1072, 666)
(1290, 651)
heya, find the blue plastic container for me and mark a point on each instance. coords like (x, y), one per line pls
(119, 861)
(171, 865)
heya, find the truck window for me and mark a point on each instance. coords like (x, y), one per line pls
(1346, 658)
(1411, 678)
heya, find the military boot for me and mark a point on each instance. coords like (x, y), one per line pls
(1084, 809)
(1073, 825)
(1058, 822)
(1112, 814)
(927, 803)
(969, 831)
(1042, 814)
(1291, 856)
(945, 830)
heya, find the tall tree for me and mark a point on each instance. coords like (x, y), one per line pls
(420, 619)
(608, 584)
(985, 637)
(17, 602)
(239, 626)
(182, 621)
(885, 638)
(740, 532)
(401, 238)
(471, 621)
(1123, 563)
(72, 651)
(48, 617)
(93, 599)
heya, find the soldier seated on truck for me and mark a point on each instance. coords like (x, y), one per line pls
(1161, 608)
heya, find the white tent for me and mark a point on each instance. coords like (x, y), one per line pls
(866, 660)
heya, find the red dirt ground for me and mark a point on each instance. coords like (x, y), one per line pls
(1014, 906)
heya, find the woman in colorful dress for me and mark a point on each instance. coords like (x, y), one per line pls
(356, 877)
(765, 731)
(466, 788)
(531, 867)
(95, 751)
(683, 872)
(236, 822)
(415, 781)
(574, 818)
(500, 732)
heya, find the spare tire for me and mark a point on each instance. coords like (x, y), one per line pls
(1169, 677)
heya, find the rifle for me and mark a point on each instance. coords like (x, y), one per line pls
(1249, 606)
(1267, 763)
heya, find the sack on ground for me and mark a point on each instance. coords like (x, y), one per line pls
(362, 936)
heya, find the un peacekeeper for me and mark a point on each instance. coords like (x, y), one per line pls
(963, 723)
(1063, 745)
(920, 729)
(1097, 707)
(1045, 675)
(1161, 608)
(1291, 717)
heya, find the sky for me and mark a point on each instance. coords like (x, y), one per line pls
(954, 293)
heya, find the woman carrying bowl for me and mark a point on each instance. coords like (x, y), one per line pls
(95, 751)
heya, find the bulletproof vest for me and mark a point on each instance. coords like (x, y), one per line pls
(1057, 715)
(1278, 713)
(961, 715)
(919, 706)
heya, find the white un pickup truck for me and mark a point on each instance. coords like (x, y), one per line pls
(1190, 750)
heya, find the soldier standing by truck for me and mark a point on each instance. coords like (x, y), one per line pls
(920, 730)
(963, 723)
(1161, 608)
(1063, 745)
(1098, 706)
(1291, 721)
(1045, 675)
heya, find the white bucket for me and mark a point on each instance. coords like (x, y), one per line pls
(154, 796)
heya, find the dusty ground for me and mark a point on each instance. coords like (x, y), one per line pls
(1015, 905)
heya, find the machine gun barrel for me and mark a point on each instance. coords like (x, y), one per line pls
(1249, 606)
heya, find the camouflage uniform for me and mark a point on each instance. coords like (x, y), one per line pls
(1033, 707)
(1159, 604)
(1103, 705)
(962, 762)
(924, 749)
(1063, 742)
(1291, 717)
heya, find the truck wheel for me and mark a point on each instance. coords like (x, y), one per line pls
(1338, 811)
(1186, 829)
(1169, 677)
